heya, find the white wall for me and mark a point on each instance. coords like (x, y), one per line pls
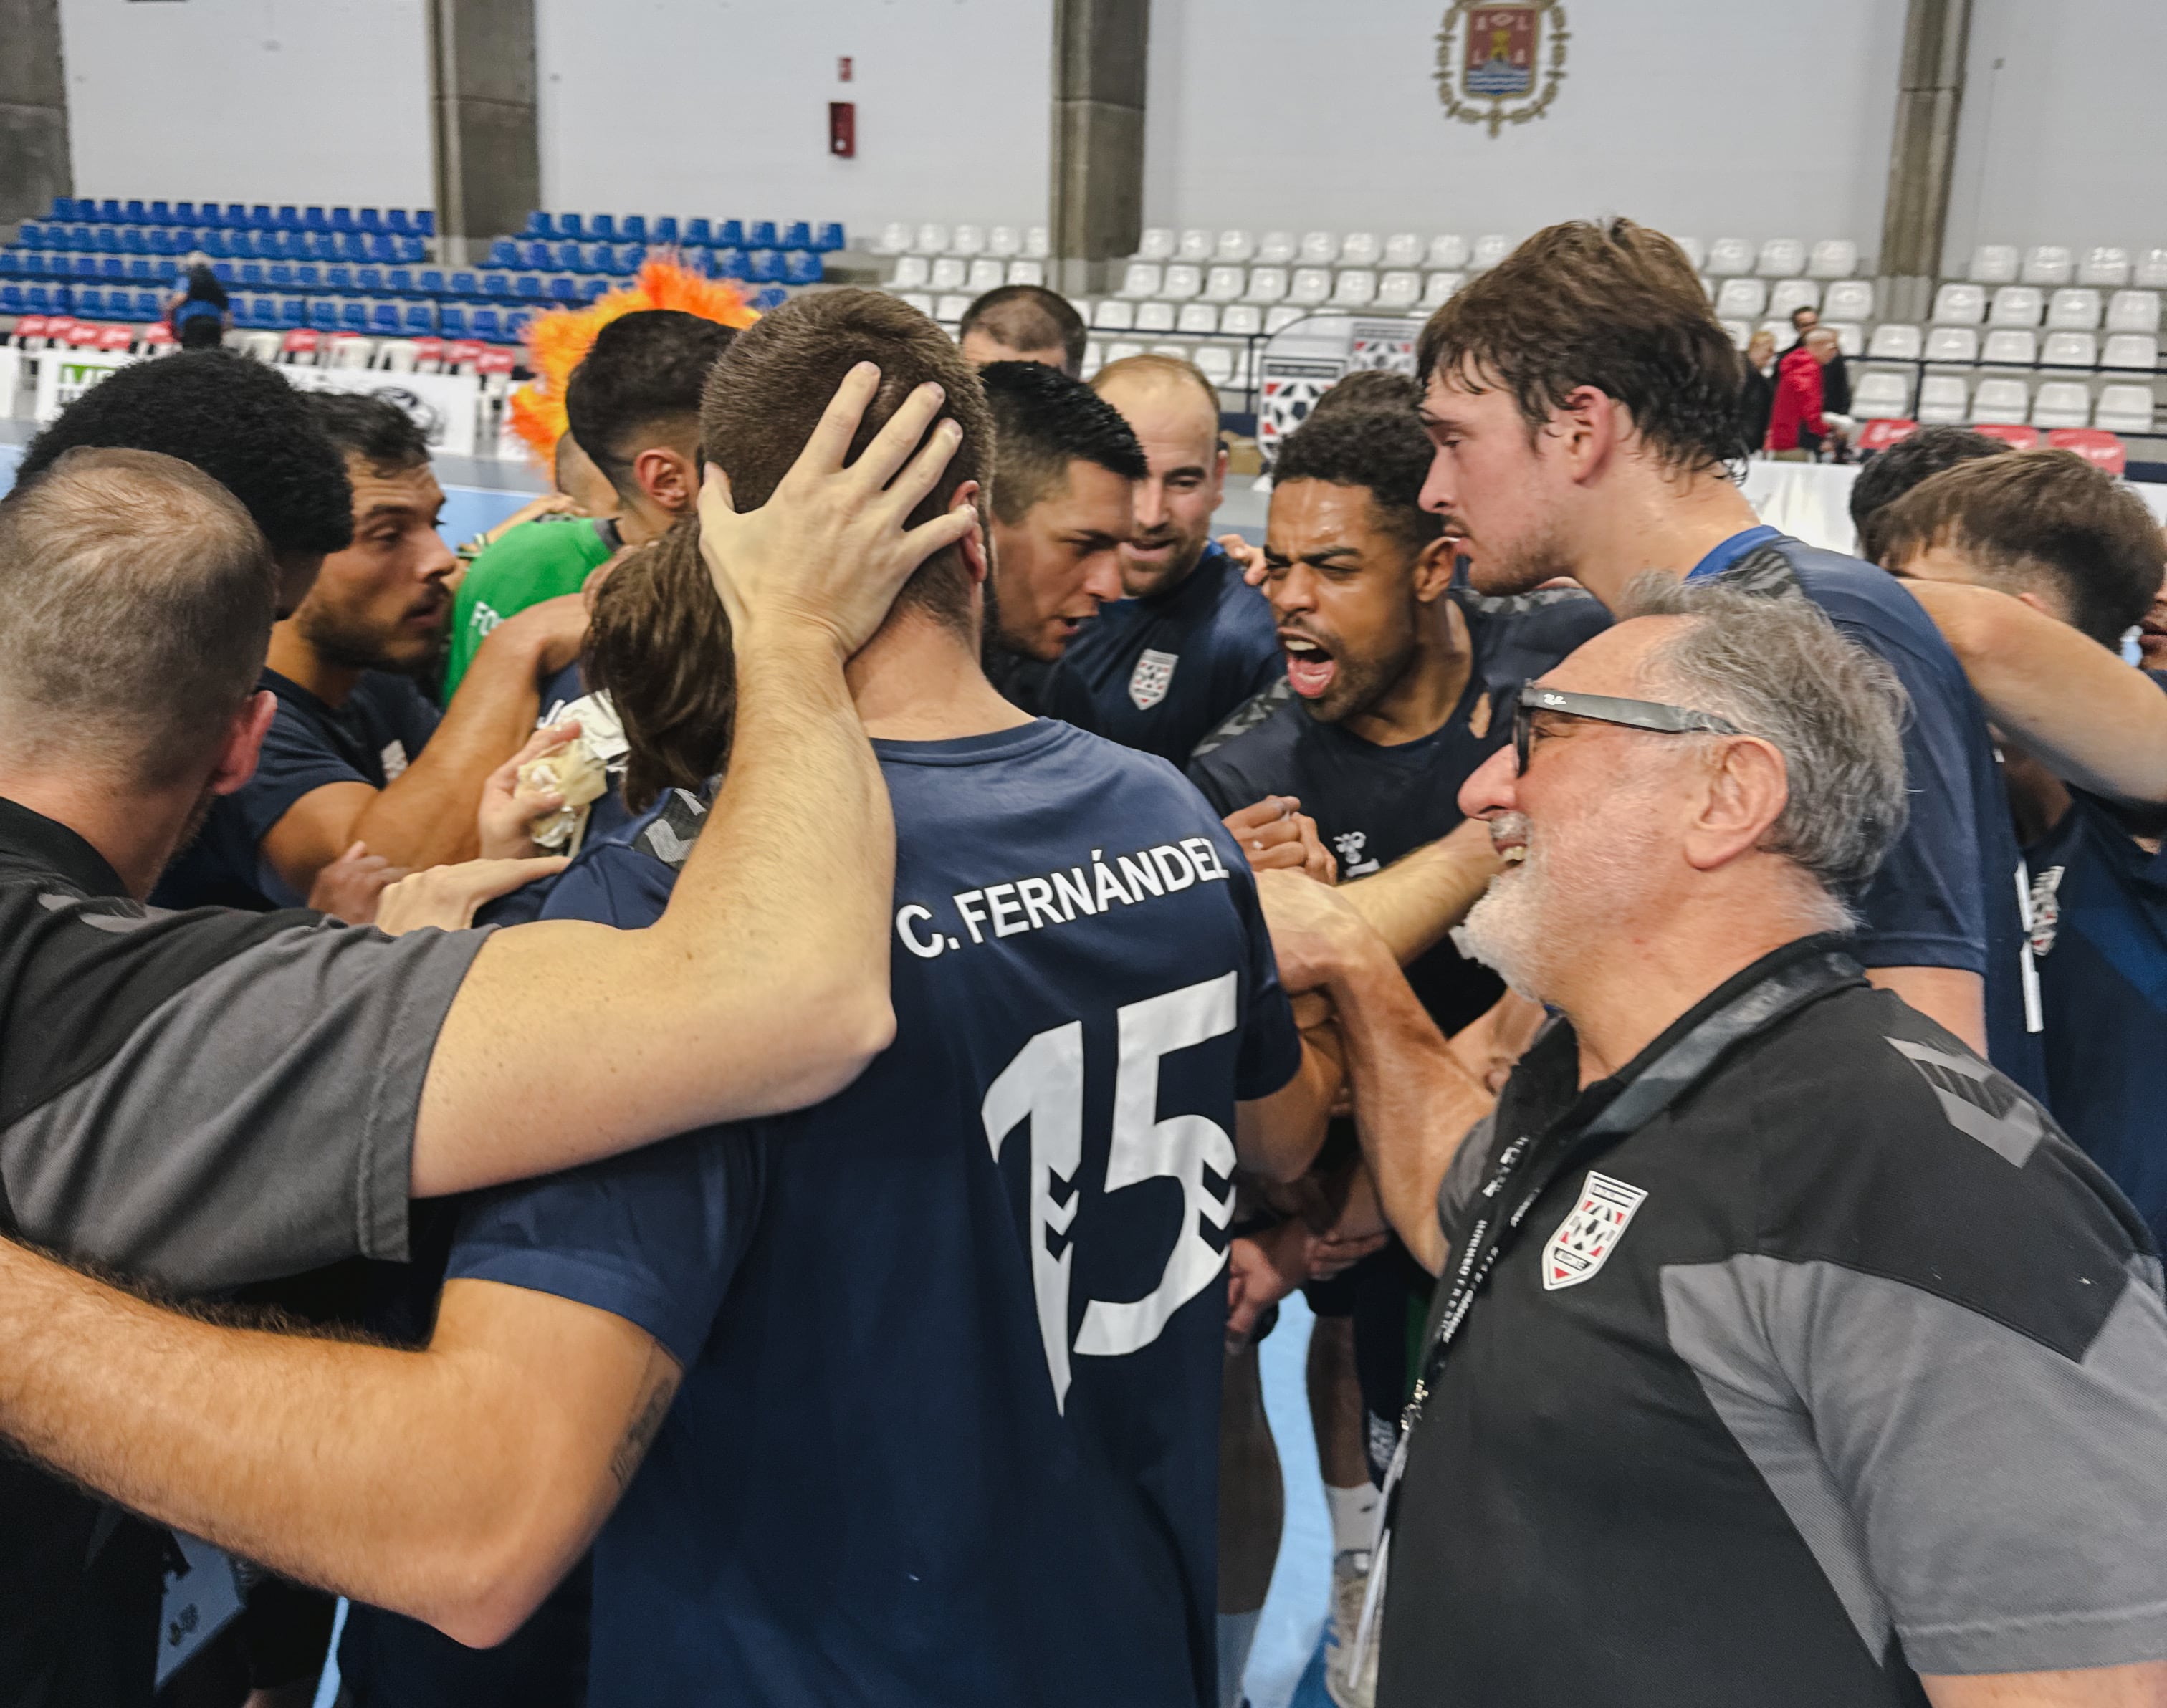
(2063, 133)
(720, 107)
(1707, 118)
(299, 101)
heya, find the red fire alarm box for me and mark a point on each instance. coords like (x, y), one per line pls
(843, 128)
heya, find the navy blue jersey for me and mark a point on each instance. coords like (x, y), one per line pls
(2099, 925)
(1948, 893)
(1373, 803)
(380, 730)
(949, 1428)
(1158, 675)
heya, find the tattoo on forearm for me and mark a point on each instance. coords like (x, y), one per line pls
(640, 1434)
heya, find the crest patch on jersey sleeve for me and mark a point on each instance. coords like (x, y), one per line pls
(1150, 678)
(1585, 1238)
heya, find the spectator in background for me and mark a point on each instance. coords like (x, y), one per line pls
(241, 425)
(1023, 323)
(633, 406)
(1063, 504)
(1798, 426)
(1887, 475)
(355, 752)
(1835, 377)
(199, 314)
(1192, 640)
(1756, 394)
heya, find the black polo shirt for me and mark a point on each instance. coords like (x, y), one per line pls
(199, 1100)
(1845, 1367)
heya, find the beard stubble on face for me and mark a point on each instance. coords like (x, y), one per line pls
(1358, 685)
(1524, 564)
(345, 644)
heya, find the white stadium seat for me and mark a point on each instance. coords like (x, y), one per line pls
(1319, 248)
(1114, 315)
(1037, 242)
(1154, 317)
(1121, 349)
(1278, 248)
(2010, 346)
(1941, 399)
(1959, 306)
(1026, 272)
(1399, 290)
(1241, 320)
(1740, 332)
(1953, 344)
(2049, 264)
(1447, 253)
(2076, 310)
(2069, 349)
(2062, 403)
(2124, 408)
(1177, 352)
(1197, 319)
(1095, 356)
(2133, 311)
(1225, 284)
(1140, 279)
(1489, 251)
(1157, 244)
(2128, 351)
(918, 300)
(1310, 286)
(911, 272)
(1780, 331)
(948, 274)
(1197, 246)
(1215, 363)
(2001, 402)
(1832, 258)
(1788, 295)
(2106, 268)
(967, 240)
(986, 274)
(1742, 299)
(1781, 257)
(2151, 271)
(1893, 341)
(2017, 305)
(1696, 251)
(398, 354)
(1993, 263)
(948, 310)
(1850, 336)
(1235, 246)
(931, 239)
(1356, 289)
(1267, 284)
(1730, 258)
(1403, 249)
(894, 239)
(1881, 395)
(1282, 316)
(1182, 283)
(1004, 240)
(1439, 287)
(1361, 249)
(1849, 299)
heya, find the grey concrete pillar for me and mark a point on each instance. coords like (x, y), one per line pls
(488, 147)
(1922, 156)
(34, 129)
(1098, 194)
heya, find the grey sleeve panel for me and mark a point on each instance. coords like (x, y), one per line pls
(2001, 1505)
(258, 1124)
(1463, 1175)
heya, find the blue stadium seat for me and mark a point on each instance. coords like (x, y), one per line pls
(353, 315)
(383, 319)
(797, 235)
(336, 278)
(135, 241)
(11, 300)
(134, 213)
(109, 212)
(527, 288)
(539, 224)
(568, 258)
(394, 219)
(765, 265)
(143, 272)
(225, 273)
(729, 234)
(252, 275)
(537, 258)
(108, 239)
(571, 226)
(63, 208)
(162, 213)
(218, 246)
(800, 267)
(369, 220)
(279, 276)
(662, 230)
(90, 303)
(146, 306)
(425, 222)
(308, 277)
(37, 300)
(727, 262)
(367, 280)
(773, 297)
(632, 227)
(109, 267)
(485, 325)
(412, 249)
(321, 313)
(241, 217)
(830, 236)
(342, 220)
(516, 325)
(496, 286)
(698, 231)
(760, 235)
(429, 281)
(565, 290)
(294, 311)
(287, 218)
(418, 319)
(398, 281)
(451, 319)
(504, 253)
(603, 227)
(312, 220)
(184, 214)
(31, 235)
(464, 284)
(593, 289)
(11, 263)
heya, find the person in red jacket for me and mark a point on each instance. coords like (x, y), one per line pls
(1796, 426)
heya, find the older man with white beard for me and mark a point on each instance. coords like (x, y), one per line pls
(1785, 1352)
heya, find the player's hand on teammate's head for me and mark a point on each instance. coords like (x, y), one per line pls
(829, 550)
(446, 896)
(1250, 559)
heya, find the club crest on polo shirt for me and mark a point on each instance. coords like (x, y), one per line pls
(392, 758)
(1150, 678)
(1585, 1238)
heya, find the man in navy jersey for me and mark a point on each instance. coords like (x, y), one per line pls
(1158, 669)
(1581, 400)
(949, 1343)
(2035, 566)
(344, 760)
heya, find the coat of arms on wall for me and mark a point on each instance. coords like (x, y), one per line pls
(1501, 64)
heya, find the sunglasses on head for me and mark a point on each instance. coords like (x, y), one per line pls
(1650, 714)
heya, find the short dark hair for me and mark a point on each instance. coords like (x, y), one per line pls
(1369, 388)
(1610, 305)
(1044, 421)
(234, 419)
(1029, 317)
(1887, 475)
(641, 381)
(2037, 516)
(1804, 309)
(1383, 451)
(136, 599)
(374, 428)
